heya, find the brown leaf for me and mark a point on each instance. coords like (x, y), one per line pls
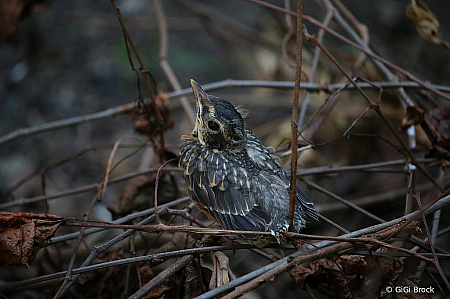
(323, 271)
(438, 122)
(12, 11)
(144, 120)
(221, 270)
(414, 116)
(23, 234)
(411, 229)
(353, 264)
(436, 125)
(299, 274)
(349, 276)
(425, 20)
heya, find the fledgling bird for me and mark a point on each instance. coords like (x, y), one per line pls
(233, 178)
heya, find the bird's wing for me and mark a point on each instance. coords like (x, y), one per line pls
(266, 162)
(222, 187)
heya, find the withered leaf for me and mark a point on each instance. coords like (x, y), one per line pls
(350, 276)
(414, 116)
(438, 121)
(426, 22)
(144, 120)
(23, 234)
(221, 271)
(323, 271)
(436, 124)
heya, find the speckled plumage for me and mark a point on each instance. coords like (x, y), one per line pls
(232, 177)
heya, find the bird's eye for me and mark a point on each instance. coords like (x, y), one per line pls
(213, 126)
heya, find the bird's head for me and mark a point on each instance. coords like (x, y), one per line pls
(218, 124)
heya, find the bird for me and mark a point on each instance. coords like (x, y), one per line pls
(233, 178)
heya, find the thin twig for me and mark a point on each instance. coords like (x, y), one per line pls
(109, 165)
(294, 117)
(158, 175)
(125, 261)
(146, 75)
(127, 218)
(97, 250)
(346, 202)
(61, 162)
(165, 66)
(435, 260)
(314, 66)
(127, 108)
(287, 36)
(284, 264)
(359, 47)
(83, 189)
(163, 275)
(69, 274)
(376, 108)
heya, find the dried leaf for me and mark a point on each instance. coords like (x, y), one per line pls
(411, 229)
(438, 122)
(350, 276)
(323, 271)
(353, 264)
(23, 234)
(145, 122)
(221, 271)
(12, 11)
(426, 23)
(425, 20)
(436, 125)
(414, 116)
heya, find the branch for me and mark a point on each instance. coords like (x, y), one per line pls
(289, 260)
(294, 117)
(127, 108)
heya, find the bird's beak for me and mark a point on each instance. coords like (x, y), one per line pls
(201, 99)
